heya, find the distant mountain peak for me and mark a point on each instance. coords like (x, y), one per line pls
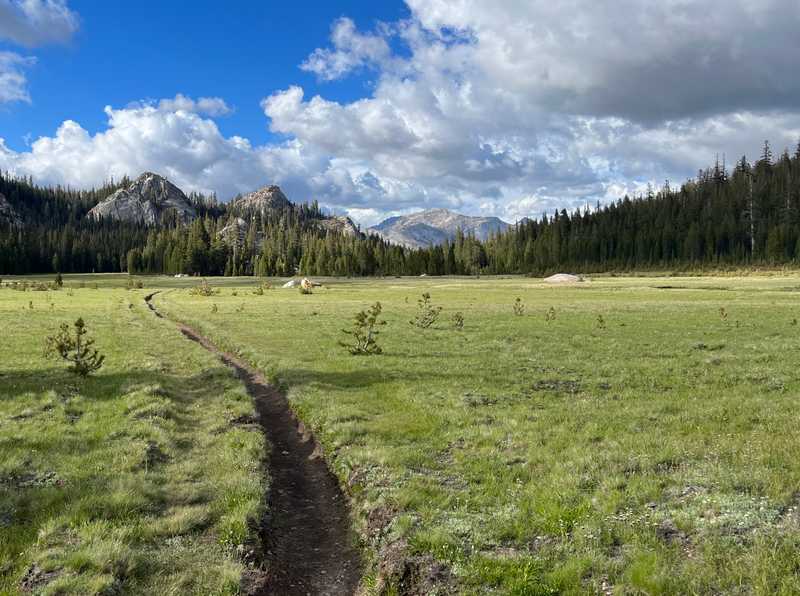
(435, 226)
(144, 201)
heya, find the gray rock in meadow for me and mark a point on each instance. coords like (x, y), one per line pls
(563, 278)
(144, 201)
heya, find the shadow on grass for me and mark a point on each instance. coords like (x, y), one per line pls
(101, 385)
(369, 377)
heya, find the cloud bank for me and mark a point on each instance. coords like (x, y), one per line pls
(503, 107)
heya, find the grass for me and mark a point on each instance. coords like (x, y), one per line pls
(652, 454)
(133, 480)
(538, 453)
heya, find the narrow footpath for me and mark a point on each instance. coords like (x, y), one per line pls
(306, 536)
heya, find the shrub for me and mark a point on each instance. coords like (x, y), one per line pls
(214, 308)
(259, 291)
(723, 314)
(550, 315)
(59, 281)
(75, 348)
(134, 284)
(601, 322)
(519, 307)
(365, 332)
(426, 312)
(202, 289)
(458, 321)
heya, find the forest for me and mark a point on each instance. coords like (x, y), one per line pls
(745, 215)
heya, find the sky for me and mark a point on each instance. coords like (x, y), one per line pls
(509, 108)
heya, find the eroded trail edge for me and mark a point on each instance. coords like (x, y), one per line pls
(306, 536)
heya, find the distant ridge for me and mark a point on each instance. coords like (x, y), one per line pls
(435, 226)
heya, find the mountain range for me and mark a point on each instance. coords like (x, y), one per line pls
(435, 226)
(151, 197)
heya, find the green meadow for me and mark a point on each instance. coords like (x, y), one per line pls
(626, 435)
(132, 481)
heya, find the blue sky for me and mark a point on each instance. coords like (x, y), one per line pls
(510, 108)
(127, 51)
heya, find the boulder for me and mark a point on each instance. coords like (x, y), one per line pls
(563, 278)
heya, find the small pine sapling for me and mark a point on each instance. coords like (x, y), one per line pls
(365, 332)
(427, 314)
(203, 289)
(601, 322)
(550, 315)
(519, 307)
(458, 321)
(77, 349)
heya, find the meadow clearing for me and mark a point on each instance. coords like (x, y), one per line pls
(627, 435)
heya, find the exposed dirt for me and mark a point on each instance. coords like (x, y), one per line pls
(409, 575)
(36, 578)
(308, 546)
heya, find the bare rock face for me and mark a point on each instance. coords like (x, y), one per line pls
(435, 226)
(340, 224)
(235, 233)
(8, 214)
(263, 200)
(144, 201)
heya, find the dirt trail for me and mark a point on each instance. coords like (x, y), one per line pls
(306, 536)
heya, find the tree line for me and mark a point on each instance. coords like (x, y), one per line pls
(747, 216)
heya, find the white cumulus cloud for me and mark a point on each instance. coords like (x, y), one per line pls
(36, 22)
(351, 50)
(13, 82)
(211, 106)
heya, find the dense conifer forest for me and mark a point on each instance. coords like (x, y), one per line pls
(745, 215)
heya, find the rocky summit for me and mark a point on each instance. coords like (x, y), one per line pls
(145, 201)
(263, 200)
(435, 226)
(7, 213)
(340, 224)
